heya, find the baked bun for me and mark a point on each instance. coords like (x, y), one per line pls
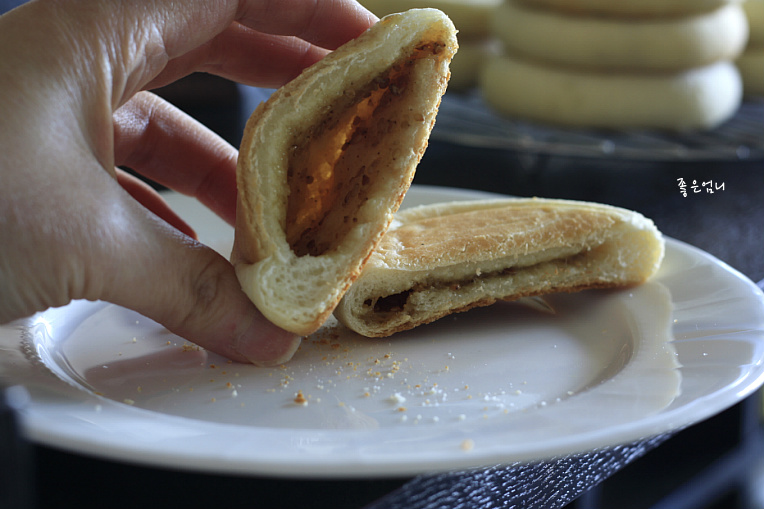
(617, 64)
(325, 163)
(451, 257)
(639, 8)
(591, 41)
(700, 98)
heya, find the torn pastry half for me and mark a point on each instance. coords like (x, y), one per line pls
(446, 258)
(325, 163)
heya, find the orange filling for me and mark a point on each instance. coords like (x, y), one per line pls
(335, 164)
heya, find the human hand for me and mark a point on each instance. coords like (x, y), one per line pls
(72, 226)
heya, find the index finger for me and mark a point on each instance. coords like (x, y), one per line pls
(324, 23)
(185, 43)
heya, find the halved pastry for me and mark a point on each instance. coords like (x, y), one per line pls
(325, 162)
(450, 257)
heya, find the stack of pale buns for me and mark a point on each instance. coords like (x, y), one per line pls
(656, 64)
(751, 62)
(472, 20)
(666, 64)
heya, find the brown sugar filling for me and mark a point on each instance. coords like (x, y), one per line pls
(335, 164)
(397, 302)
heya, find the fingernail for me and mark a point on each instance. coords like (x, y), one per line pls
(264, 344)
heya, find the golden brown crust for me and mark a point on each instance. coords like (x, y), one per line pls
(326, 161)
(449, 258)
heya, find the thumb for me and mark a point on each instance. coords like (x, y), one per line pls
(194, 292)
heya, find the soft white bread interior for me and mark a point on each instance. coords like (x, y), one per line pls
(440, 259)
(326, 161)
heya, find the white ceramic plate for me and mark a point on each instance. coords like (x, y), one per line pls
(494, 385)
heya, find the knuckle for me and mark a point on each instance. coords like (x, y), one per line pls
(207, 290)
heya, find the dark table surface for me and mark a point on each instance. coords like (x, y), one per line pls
(728, 224)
